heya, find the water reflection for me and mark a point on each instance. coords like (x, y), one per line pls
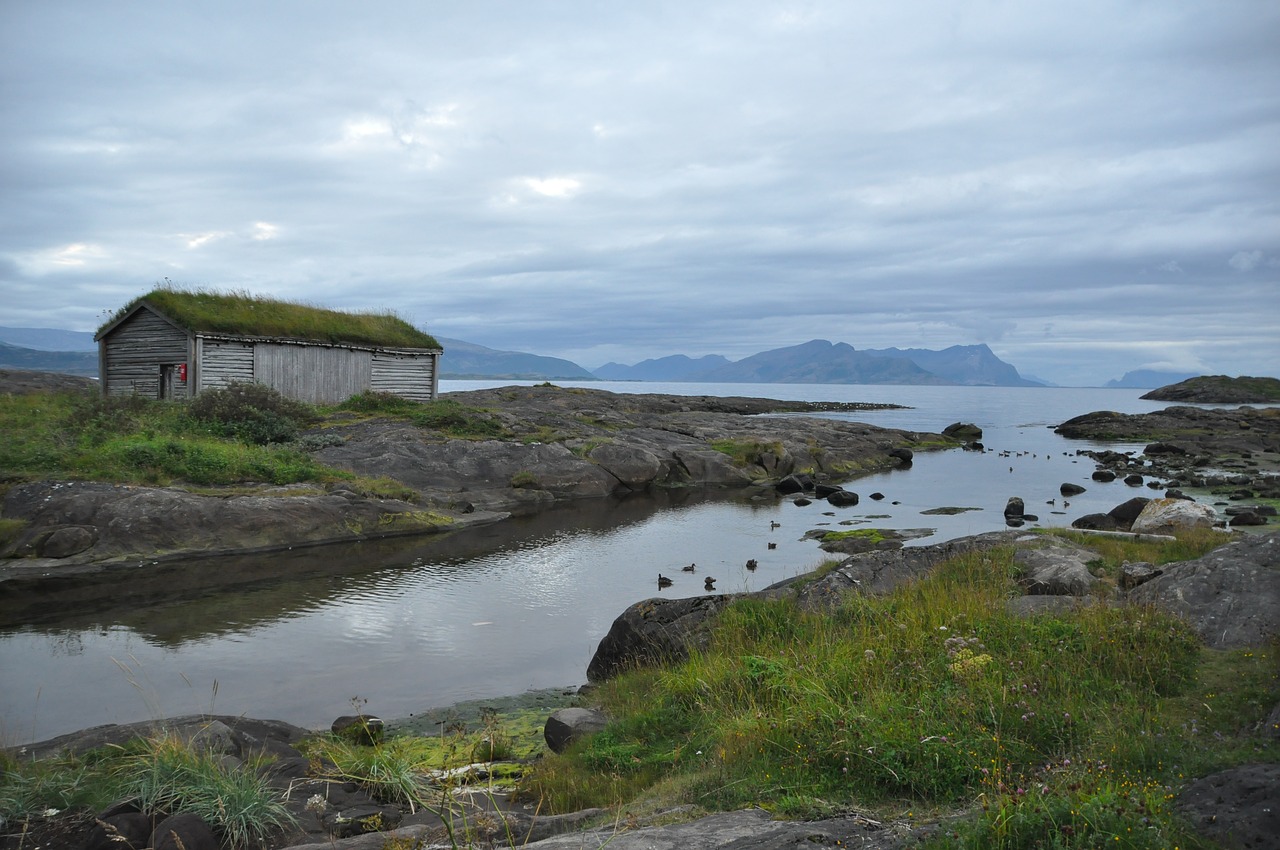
(412, 623)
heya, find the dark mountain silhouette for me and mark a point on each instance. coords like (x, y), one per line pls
(820, 361)
(677, 367)
(970, 365)
(1149, 379)
(468, 360)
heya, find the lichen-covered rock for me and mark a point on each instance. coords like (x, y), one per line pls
(1055, 568)
(1231, 596)
(1162, 516)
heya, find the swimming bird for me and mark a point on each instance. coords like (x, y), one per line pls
(752, 564)
(709, 583)
(773, 525)
(773, 545)
(663, 581)
(689, 568)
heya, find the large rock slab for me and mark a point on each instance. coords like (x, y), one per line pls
(1055, 567)
(1165, 516)
(87, 522)
(1231, 596)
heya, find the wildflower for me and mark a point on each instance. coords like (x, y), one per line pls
(49, 813)
(870, 655)
(316, 804)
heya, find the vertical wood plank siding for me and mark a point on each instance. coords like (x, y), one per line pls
(133, 353)
(411, 376)
(223, 361)
(312, 373)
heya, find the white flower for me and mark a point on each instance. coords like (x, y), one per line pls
(51, 813)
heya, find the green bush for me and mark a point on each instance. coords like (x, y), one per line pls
(254, 413)
(455, 420)
(380, 402)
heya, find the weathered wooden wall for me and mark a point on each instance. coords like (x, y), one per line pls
(133, 353)
(221, 361)
(314, 373)
(412, 376)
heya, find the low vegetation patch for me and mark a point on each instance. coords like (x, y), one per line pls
(457, 421)
(163, 773)
(1070, 728)
(871, 535)
(224, 437)
(747, 452)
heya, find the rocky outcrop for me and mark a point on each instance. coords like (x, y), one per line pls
(1220, 389)
(87, 523)
(654, 631)
(1222, 450)
(1231, 595)
(1165, 516)
(557, 445)
(1055, 568)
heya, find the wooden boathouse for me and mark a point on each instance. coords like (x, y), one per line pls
(174, 344)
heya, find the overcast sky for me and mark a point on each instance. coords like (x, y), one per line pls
(1087, 187)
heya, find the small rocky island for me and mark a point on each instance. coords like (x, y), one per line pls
(1220, 389)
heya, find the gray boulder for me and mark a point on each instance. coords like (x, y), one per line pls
(1231, 596)
(571, 724)
(1014, 508)
(654, 631)
(1055, 568)
(1132, 575)
(843, 499)
(634, 466)
(1161, 516)
(1069, 489)
(962, 431)
(1126, 512)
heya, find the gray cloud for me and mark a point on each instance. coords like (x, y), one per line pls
(620, 183)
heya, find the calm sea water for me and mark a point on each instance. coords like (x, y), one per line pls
(414, 624)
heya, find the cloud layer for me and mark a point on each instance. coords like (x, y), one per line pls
(1088, 188)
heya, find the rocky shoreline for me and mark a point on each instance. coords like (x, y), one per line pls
(559, 445)
(1231, 596)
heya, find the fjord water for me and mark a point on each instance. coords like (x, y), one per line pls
(417, 623)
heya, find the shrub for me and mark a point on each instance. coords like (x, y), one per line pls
(455, 420)
(254, 413)
(379, 402)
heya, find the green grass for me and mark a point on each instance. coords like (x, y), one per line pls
(163, 773)
(243, 313)
(932, 699)
(747, 452)
(873, 535)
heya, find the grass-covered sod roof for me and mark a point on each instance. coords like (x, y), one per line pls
(243, 314)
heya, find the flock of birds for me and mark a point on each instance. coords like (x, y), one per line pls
(709, 583)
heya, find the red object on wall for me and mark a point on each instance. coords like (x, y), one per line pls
(182, 372)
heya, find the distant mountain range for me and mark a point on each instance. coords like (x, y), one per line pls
(468, 360)
(816, 361)
(67, 362)
(822, 362)
(1149, 379)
